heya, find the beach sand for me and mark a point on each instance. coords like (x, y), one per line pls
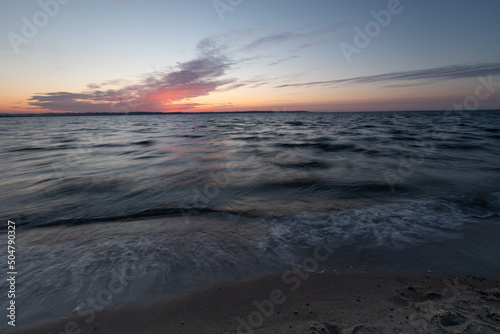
(306, 302)
(428, 290)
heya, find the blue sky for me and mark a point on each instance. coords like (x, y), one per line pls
(199, 55)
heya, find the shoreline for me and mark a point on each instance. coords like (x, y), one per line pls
(297, 301)
(427, 268)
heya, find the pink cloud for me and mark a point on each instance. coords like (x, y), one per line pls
(165, 91)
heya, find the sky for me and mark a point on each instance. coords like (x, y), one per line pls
(240, 55)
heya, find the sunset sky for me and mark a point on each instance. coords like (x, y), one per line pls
(223, 55)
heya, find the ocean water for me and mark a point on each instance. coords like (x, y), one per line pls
(157, 204)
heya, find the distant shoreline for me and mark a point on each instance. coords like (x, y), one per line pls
(146, 113)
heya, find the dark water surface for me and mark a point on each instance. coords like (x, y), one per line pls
(162, 203)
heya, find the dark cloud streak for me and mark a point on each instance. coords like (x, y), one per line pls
(414, 78)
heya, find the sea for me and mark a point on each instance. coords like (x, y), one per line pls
(109, 210)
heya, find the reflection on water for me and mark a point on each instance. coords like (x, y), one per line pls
(89, 167)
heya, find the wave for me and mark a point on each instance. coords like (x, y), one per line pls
(295, 123)
(459, 146)
(192, 136)
(162, 255)
(140, 215)
(147, 142)
(327, 147)
(28, 148)
(402, 217)
(303, 164)
(389, 225)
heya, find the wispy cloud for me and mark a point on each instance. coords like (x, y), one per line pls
(270, 40)
(161, 91)
(291, 42)
(279, 61)
(302, 34)
(414, 78)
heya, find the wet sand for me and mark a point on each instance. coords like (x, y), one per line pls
(428, 290)
(305, 302)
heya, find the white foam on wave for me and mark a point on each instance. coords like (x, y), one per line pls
(65, 266)
(389, 225)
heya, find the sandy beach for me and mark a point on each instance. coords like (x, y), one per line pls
(434, 292)
(304, 302)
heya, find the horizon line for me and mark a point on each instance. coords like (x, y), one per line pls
(139, 113)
